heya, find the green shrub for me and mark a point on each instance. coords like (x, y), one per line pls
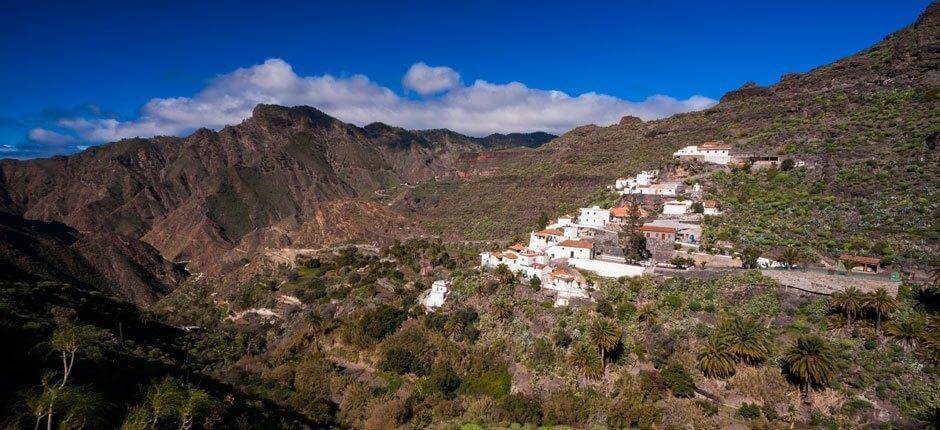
(679, 381)
(749, 411)
(519, 408)
(381, 321)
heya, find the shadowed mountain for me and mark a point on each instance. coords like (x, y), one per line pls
(284, 176)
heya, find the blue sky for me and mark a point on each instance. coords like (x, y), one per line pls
(79, 73)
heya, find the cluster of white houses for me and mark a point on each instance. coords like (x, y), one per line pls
(647, 183)
(553, 254)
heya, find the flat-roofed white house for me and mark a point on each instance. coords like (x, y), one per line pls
(594, 216)
(436, 296)
(708, 152)
(647, 177)
(571, 248)
(670, 189)
(676, 207)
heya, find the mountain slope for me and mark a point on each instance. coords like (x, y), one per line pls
(864, 123)
(285, 176)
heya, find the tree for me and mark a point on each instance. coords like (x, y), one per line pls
(647, 313)
(632, 241)
(502, 308)
(787, 164)
(542, 221)
(697, 207)
(169, 401)
(605, 335)
(82, 407)
(749, 257)
(850, 301)
(791, 257)
(682, 263)
(196, 403)
(503, 275)
(882, 304)
(809, 364)
(68, 339)
(679, 381)
(907, 332)
(716, 361)
(585, 358)
(745, 339)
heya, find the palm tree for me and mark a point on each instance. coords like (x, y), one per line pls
(791, 257)
(585, 358)
(907, 332)
(882, 304)
(809, 364)
(745, 339)
(503, 308)
(850, 301)
(715, 361)
(647, 313)
(604, 334)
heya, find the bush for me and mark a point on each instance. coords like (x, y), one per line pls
(493, 382)
(679, 381)
(381, 321)
(519, 408)
(749, 411)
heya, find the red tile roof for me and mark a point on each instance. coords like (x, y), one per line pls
(510, 255)
(657, 229)
(550, 232)
(517, 247)
(624, 212)
(576, 244)
(710, 204)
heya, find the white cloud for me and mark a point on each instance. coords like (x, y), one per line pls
(478, 109)
(426, 80)
(41, 135)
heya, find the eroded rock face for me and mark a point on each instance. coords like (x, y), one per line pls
(283, 177)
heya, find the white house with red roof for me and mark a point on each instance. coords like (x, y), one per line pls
(571, 248)
(541, 240)
(710, 207)
(567, 284)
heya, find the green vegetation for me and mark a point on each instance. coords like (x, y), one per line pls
(359, 351)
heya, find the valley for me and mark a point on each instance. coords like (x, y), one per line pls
(767, 262)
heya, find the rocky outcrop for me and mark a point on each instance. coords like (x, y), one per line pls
(283, 177)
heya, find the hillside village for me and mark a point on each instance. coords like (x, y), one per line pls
(654, 226)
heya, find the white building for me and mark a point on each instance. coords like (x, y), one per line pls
(437, 295)
(542, 240)
(567, 283)
(594, 216)
(669, 189)
(571, 249)
(676, 207)
(684, 232)
(710, 207)
(708, 152)
(644, 179)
